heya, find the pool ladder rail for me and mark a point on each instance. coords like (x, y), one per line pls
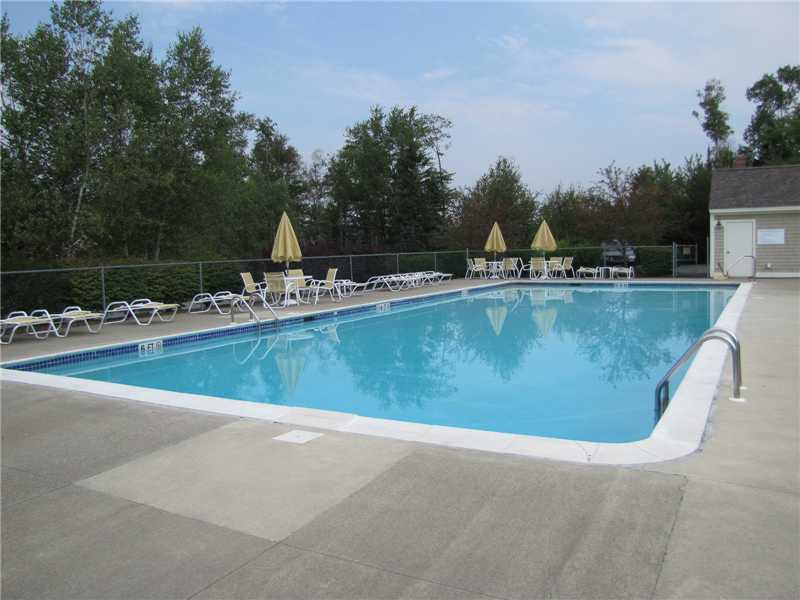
(241, 302)
(715, 333)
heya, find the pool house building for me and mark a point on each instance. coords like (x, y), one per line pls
(755, 222)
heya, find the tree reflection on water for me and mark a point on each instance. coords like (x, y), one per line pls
(414, 355)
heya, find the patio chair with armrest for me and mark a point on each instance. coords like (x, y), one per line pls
(480, 267)
(300, 279)
(326, 285)
(535, 268)
(253, 291)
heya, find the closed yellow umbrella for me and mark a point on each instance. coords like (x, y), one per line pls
(495, 242)
(544, 240)
(286, 248)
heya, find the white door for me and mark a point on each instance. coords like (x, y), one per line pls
(738, 248)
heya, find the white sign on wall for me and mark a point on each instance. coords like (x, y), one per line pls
(771, 237)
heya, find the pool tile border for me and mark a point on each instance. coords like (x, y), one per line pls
(679, 432)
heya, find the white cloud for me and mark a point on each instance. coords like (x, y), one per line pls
(355, 83)
(636, 62)
(511, 42)
(435, 74)
(598, 22)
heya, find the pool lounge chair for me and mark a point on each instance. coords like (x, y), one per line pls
(586, 272)
(435, 277)
(30, 323)
(75, 314)
(351, 288)
(626, 272)
(205, 301)
(142, 310)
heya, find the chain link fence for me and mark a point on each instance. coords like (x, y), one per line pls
(95, 287)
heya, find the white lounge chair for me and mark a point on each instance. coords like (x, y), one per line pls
(626, 272)
(587, 272)
(352, 288)
(205, 301)
(118, 312)
(75, 314)
(31, 323)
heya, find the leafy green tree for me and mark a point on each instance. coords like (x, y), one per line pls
(578, 216)
(498, 195)
(773, 135)
(714, 122)
(128, 92)
(385, 189)
(35, 164)
(52, 120)
(201, 148)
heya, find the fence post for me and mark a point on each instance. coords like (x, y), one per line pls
(351, 268)
(200, 273)
(397, 259)
(467, 253)
(103, 286)
(674, 259)
(435, 261)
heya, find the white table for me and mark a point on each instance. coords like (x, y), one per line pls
(293, 286)
(495, 268)
(548, 267)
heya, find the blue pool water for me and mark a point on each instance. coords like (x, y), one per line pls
(566, 362)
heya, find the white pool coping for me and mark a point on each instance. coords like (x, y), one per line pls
(679, 431)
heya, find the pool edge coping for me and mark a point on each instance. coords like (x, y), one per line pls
(679, 432)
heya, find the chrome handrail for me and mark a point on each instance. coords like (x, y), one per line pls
(240, 301)
(715, 333)
(738, 260)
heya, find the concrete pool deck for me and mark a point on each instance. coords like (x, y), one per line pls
(108, 498)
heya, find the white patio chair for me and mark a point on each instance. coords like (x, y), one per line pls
(326, 285)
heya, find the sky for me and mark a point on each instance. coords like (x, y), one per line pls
(563, 89)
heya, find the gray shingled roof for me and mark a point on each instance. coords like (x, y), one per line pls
(755, 187)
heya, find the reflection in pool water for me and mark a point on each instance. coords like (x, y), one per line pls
(567, 362)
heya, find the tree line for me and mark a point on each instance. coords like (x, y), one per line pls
(109, 153)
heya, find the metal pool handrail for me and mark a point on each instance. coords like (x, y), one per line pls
(715, 333)
(253, 316)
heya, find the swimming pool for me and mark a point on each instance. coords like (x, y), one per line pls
(569, 362)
